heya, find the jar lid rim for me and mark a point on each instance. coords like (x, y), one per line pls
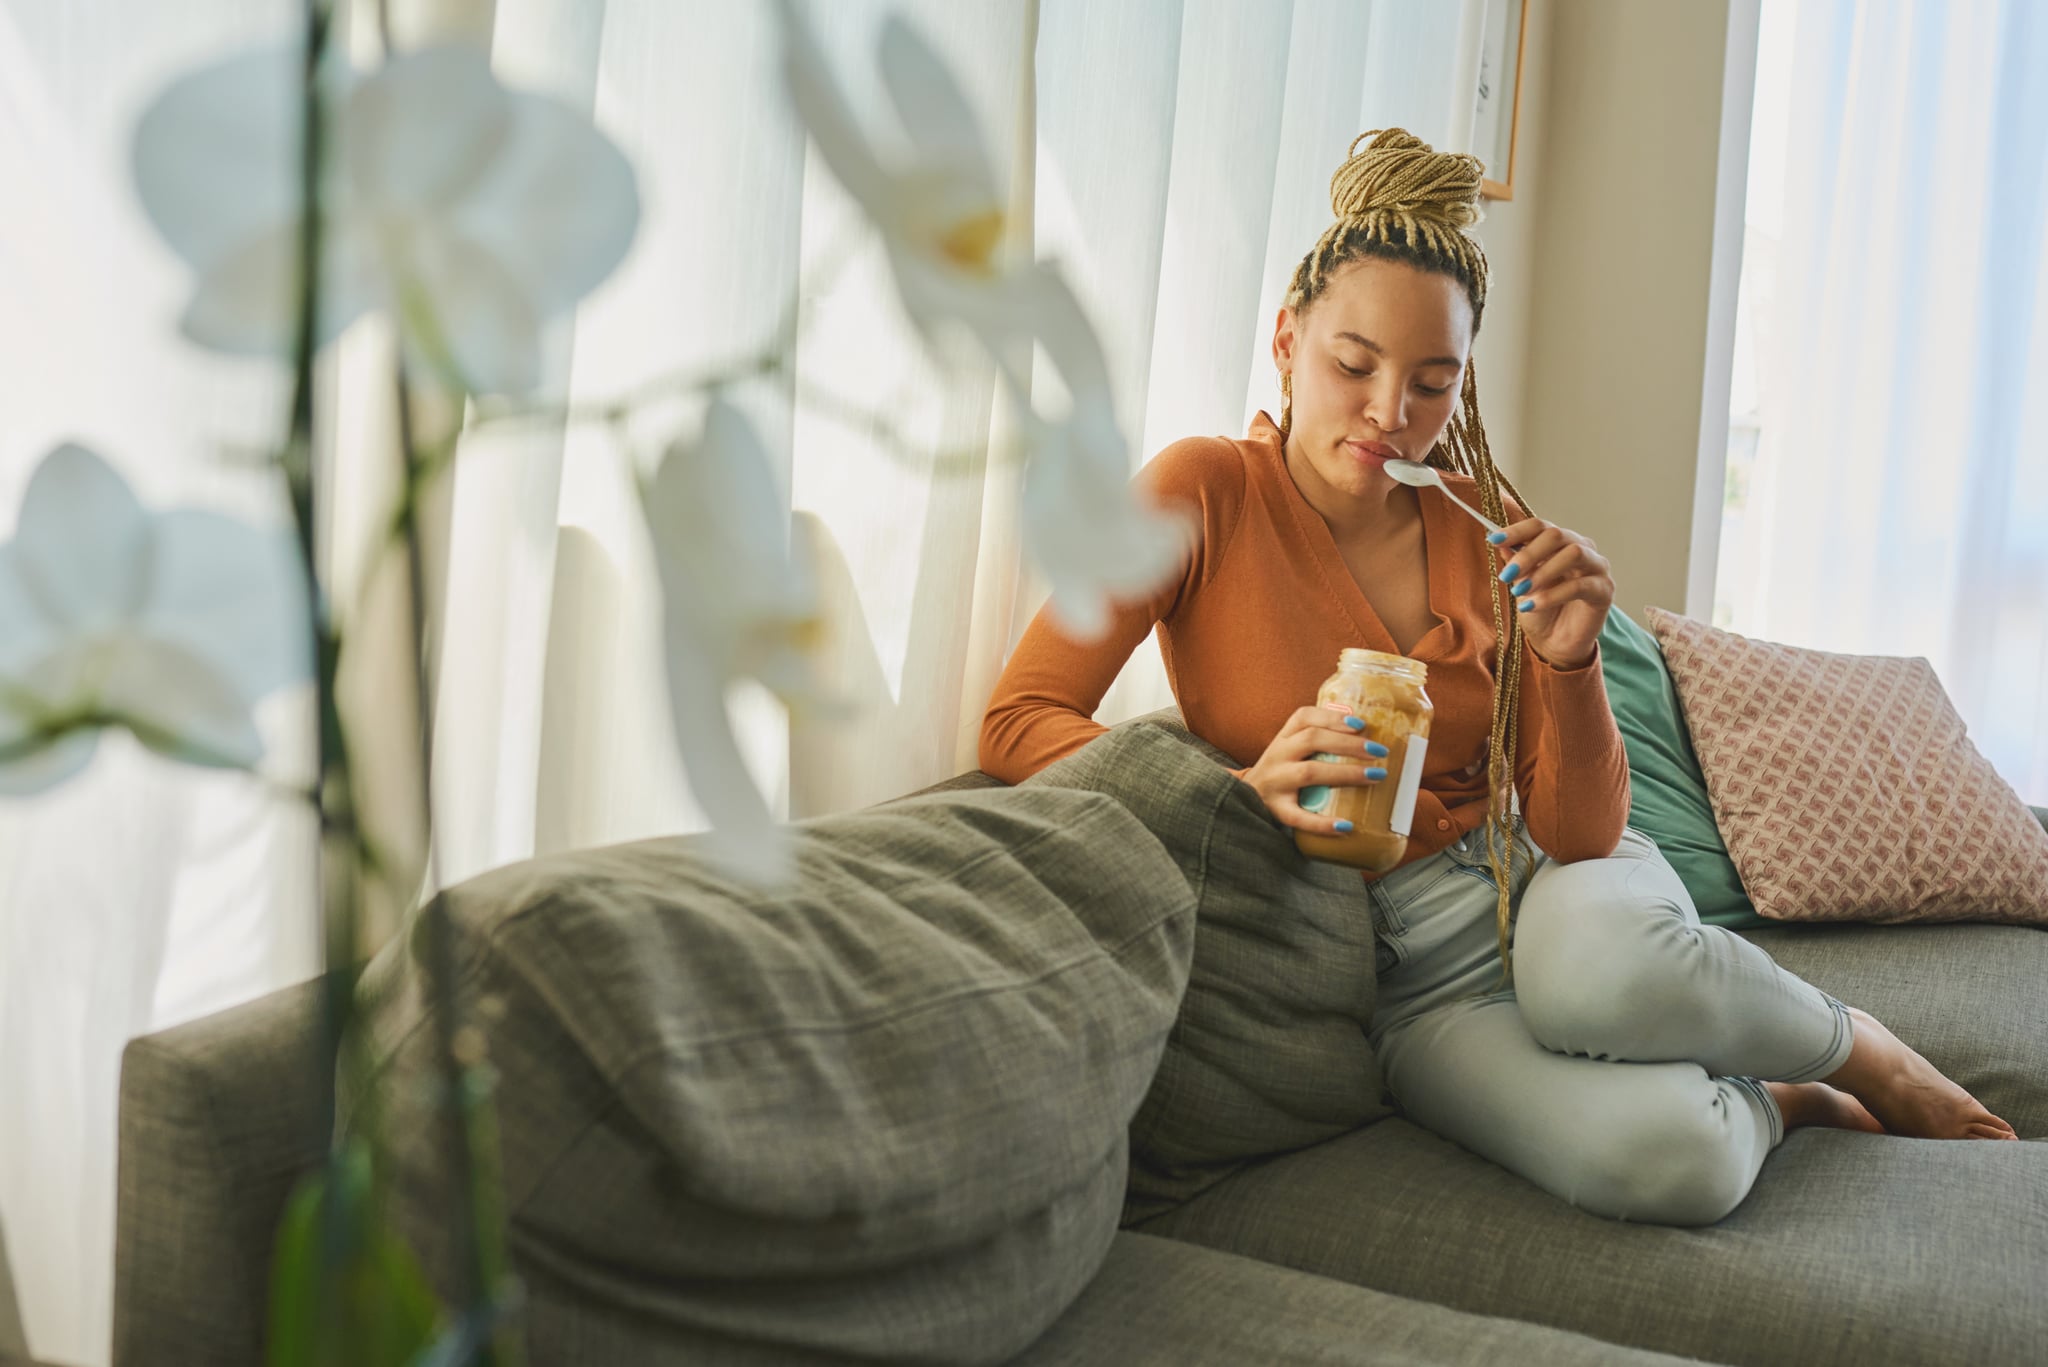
(1354, 656)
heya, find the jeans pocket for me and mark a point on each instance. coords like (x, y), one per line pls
(1418, 883)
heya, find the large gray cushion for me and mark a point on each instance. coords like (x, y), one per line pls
(1853, 1250)
(1269, 1053)
(1166, 1303)
(879, 1118)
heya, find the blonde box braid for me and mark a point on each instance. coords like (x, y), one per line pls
(1397, 200)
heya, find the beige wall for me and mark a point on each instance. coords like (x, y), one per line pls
(1508, 233)
(1596, 367)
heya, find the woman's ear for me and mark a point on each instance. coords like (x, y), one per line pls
(1283, 339)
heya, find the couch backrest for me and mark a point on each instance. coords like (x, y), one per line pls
(219, 1120)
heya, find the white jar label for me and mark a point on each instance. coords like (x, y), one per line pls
(1410, 782)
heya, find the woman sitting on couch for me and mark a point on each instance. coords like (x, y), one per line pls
(1637, 1063)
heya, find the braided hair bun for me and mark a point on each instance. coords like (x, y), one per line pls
(1400, 175)
(1398, 199)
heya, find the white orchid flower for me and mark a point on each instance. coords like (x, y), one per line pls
(740, 601)
(940, 212)
(173, 625)
(470, 212)
(941, 219)
(1085, 524)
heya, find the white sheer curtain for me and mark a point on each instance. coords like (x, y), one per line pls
(141, 893)
(555, 730)
(1899, 502)
(1175, 154)
(1181, 156)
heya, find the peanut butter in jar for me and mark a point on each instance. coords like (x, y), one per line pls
(1386, 693)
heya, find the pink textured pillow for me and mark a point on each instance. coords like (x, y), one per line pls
(1846, 786)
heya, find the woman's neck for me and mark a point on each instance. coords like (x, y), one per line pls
(1387, 507)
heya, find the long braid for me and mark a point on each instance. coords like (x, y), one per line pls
(1469, 455)
(1399, 200)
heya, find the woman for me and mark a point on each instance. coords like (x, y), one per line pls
(1638, 1064)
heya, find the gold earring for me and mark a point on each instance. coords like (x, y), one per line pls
(1286, 401)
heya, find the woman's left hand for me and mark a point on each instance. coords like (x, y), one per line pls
(1562, 588)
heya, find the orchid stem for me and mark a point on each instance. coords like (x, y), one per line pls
(333, 900)
(775, 356)
(334, 891)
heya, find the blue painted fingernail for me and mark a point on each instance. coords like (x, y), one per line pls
(1497, 537)
(1525, 605)
(1523, 587)
(1375, 749)
(1375, 772)
(1507, 576)
(1344, 828)
(1354, 723)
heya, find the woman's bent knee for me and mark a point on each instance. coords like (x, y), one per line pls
(1594, 964)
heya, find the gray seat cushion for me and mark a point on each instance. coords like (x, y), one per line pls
(879, 1117)
(1165, 1303)
(1853, 1250)
(1269, 1053)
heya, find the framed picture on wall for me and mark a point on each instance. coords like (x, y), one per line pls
(1497, 107)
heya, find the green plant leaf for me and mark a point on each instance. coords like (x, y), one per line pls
(345, 1291)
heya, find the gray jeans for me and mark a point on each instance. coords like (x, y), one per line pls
(1622, 1071)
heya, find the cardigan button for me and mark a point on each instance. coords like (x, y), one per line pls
(1443, 824)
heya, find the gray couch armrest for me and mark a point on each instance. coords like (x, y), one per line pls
(219, 1119)
(13, 1340)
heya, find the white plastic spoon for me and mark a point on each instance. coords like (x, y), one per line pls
(1422, 476)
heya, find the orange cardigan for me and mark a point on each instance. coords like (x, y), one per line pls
(1253, 624)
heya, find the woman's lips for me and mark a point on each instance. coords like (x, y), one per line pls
(1373, 450)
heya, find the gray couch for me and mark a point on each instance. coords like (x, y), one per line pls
(1377, 1242)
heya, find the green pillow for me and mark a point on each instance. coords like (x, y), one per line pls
(1667, 792)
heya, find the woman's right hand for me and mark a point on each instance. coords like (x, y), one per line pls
(1290, 764)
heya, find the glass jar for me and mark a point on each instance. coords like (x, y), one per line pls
(1386, 693)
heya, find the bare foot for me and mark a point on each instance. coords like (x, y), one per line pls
(1905, 1092)
(1816, 1103)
